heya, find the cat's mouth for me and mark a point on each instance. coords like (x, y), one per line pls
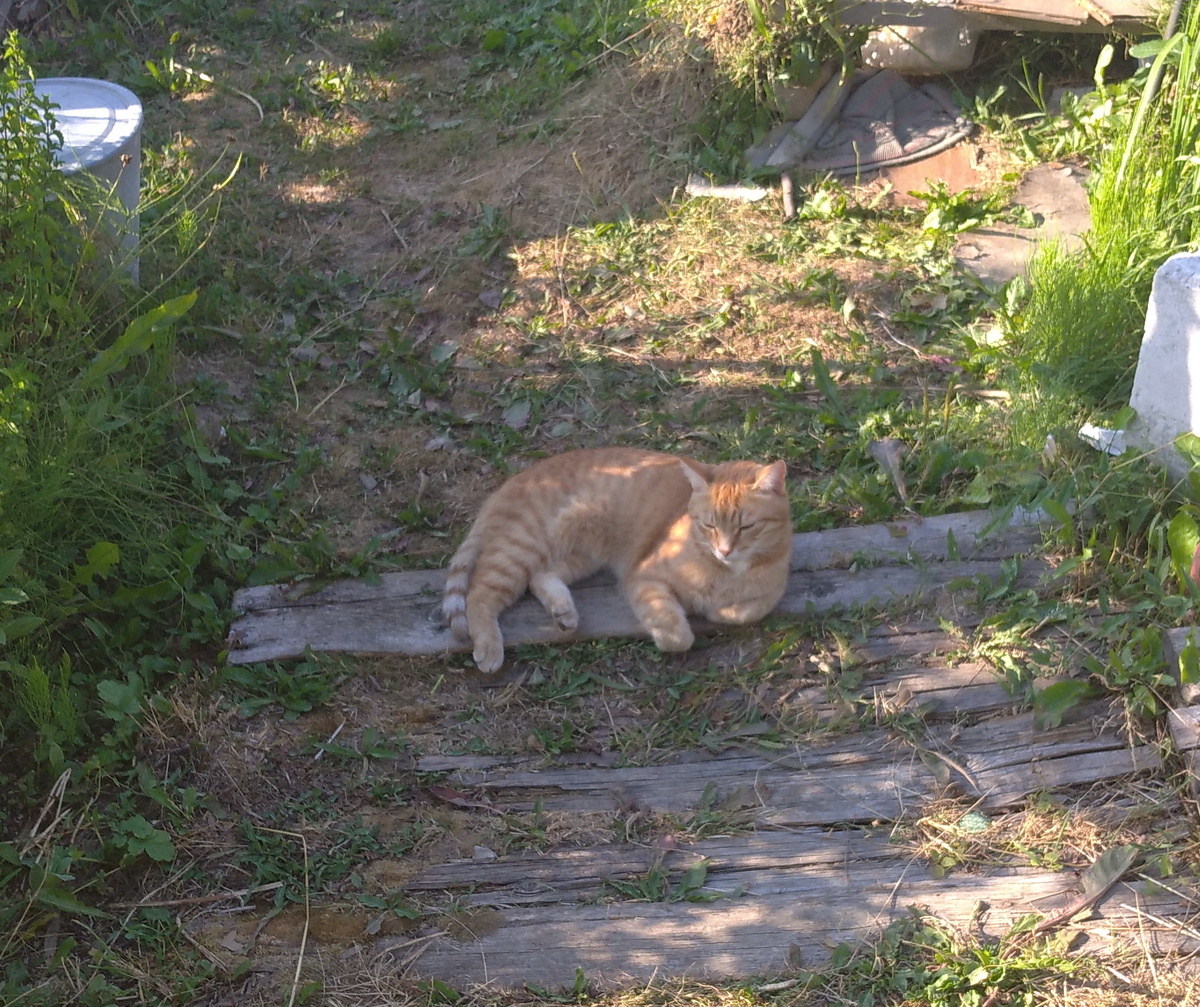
(730, 559)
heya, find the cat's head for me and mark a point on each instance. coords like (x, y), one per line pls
(742, 512)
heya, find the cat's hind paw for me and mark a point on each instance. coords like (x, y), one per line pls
(556, 599)
(489, 652)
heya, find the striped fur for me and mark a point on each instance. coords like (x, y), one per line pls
(681, 536)
(458, 579)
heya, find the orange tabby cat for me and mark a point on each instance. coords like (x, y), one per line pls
(681, 536)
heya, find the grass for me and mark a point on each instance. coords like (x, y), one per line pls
(452, 243)
(1142, 200)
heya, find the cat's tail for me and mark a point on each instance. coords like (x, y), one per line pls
(458, 579)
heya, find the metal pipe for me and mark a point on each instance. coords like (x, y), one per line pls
(1155, 80)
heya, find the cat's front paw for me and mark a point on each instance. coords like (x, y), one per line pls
(566, 619)
(674, 638)
(489, 652)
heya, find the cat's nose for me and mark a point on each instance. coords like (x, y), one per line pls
(723, 549)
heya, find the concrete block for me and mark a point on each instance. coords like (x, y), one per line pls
(922, 49)
(1166, 384)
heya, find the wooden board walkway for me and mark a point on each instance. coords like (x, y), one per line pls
(783, 901)
(818, 866)
(860, 778)
(400, 612)
(820, 869)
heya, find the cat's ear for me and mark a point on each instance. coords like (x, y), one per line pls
(699, 485)
(772, 478)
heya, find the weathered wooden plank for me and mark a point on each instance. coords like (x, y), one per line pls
(1064, 12)
(886, 648)
(1108, 12)
(1185, 728)
(864, 778)
(1184, 721)
(1004, 790)
(1004, 742)
(399, 612)
(757, 862)
(409, 622)
(934, 690)
(965, 535)
(767, 933)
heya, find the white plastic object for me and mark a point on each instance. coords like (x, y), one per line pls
(1166, 384)
(697, 185)
(101, 126)
(1111, 442)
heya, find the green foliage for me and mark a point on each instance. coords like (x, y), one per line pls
(783, 44)
(491, 233)
(372, 745)
(136, 836)
(952, 213)
(296, 688)
(122, 534)
(94, 488)
(919, 960)
(656, 885)
(1077, 336)
(269, 854)
(558, 738)
(1051, 703)
(559, 37)
(39, 226)
(545, 42)
(1135, 669)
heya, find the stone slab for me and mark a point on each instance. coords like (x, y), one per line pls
(1166, 384)
(1054, 193)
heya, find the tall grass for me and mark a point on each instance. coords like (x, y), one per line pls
(1078, 335)
(95, 480)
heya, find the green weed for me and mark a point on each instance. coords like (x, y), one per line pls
(268, 853)
(657, 886)
(917, 959)
(297, 689)
(1079, 333)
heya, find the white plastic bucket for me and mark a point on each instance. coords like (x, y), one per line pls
(101, 126)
